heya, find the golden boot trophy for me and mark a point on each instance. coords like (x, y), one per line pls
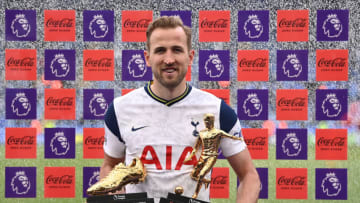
(209, 141)
(120, 176)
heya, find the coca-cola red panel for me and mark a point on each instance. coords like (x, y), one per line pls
(98, 65)
(332, 65)
(253, 65)
(59, 182)
(292, 25)
(220, 180)
(257, 142)
(223, 94)
(20, 64)
(331, 144)
(93, 141)
(134, 25)
(20, 143)
(292, 104)
(59, 25)
(214, 26)
(291, 183)
(60, 104)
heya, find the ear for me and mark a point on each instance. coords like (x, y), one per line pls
(191, 56)
(147, 57)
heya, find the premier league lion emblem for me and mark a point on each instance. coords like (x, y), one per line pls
(291, 145)
(136, 66)
(213, 66)
(60, 66)
(253, 27)
(20, 26)
(292, 66)
(252, 105)
(331, 185)
(20, 183)
(98, 105)
(332, 26)
(98, 26)
(331, 106)
(20, 105)
(59, 144)
(94, 178)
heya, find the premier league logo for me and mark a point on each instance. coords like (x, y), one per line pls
(96, 102)
(20, 182)
(331, 183)
(291, 144)
(94, 178)
(214, 65)
(253, 104)
(292, 65)
(332, 25)
(20, 103)
(136, 66)
(59, 144)
(98, 25)
(91, 175)
(60, 64)
(21, 25)
(98, 105)
(331, 104)
(253, 27)
(184, 15)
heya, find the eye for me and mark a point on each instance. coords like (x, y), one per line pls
(159, 50)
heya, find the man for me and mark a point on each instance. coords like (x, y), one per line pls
(155, 123)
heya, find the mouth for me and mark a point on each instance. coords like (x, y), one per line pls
(169, 70)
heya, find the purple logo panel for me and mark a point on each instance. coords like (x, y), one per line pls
(214, 65)
(331, 183)
(60, 64)
(291, 144)
(20, 103)
(91, 175)
(20, 182)
(134, 66)
(96, 102)
(59, 143)
(292, 65)
(263, 174)
(184, 15)
(98, 25)
(253, 26)
(20, 25)
(331, 104)
(253, 104)
(332, 25)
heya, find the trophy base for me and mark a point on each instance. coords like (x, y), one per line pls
(123, 198)
(174, 198)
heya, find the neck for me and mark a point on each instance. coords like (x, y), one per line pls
(167, 92)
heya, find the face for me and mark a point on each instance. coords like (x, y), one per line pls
(168, 57)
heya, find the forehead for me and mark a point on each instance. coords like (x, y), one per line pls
(168, 37)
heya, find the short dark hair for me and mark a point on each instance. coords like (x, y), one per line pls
(168, 22)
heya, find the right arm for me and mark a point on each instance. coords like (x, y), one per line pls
(108, 164)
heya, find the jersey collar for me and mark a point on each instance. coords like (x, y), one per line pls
(164, 101)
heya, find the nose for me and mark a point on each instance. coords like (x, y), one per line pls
(169, 58)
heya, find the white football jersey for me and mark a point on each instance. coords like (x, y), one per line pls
(162, 133)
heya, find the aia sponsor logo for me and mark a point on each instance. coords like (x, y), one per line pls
(20, 64)
(98, 25)
(20, 182)
(59, 25)
(185, 16)
(293, 25)
(20, 25)
(214, 26)
(96, 102)
(20, 103)
(134, 25)
(292, 65)
(253, 104)
(98, 65)
(256, 140)
(253, 65)
(60, 104)
(331, 183)
(93, 140)
(332, 65)
(331, 144)
(253, 26)
(292, 104)
(223, 94)
(59, 143)
(59, 182)
(60, 64)
(91, 175)
(331, 104)
(219, 187)
(291, 144)
(214, 65)
(134, 67)
(20, 143)
(332, 25)
(291, 183)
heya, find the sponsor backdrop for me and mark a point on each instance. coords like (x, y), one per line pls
(289, 69)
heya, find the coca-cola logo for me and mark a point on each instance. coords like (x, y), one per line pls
(142, 23)
(25, 140)
(296, 180)
(64, 101)
(220, 180)
(337, 62)
(219, 23)
(94, 140)
(27, 61)
(257, 141)
(334, 142)
(103, 62)
(65, 179)
(298, 22)
(62, 23)
(295, 102)
(256, 63)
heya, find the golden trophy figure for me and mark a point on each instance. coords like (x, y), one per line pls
(120, 176)
(209, 140)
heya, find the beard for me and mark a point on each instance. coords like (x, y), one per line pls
(170, 82)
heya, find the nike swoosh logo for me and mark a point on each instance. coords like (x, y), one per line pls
(135, 129)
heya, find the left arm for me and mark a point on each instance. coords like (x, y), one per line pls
(226, 135)
(249, 187)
